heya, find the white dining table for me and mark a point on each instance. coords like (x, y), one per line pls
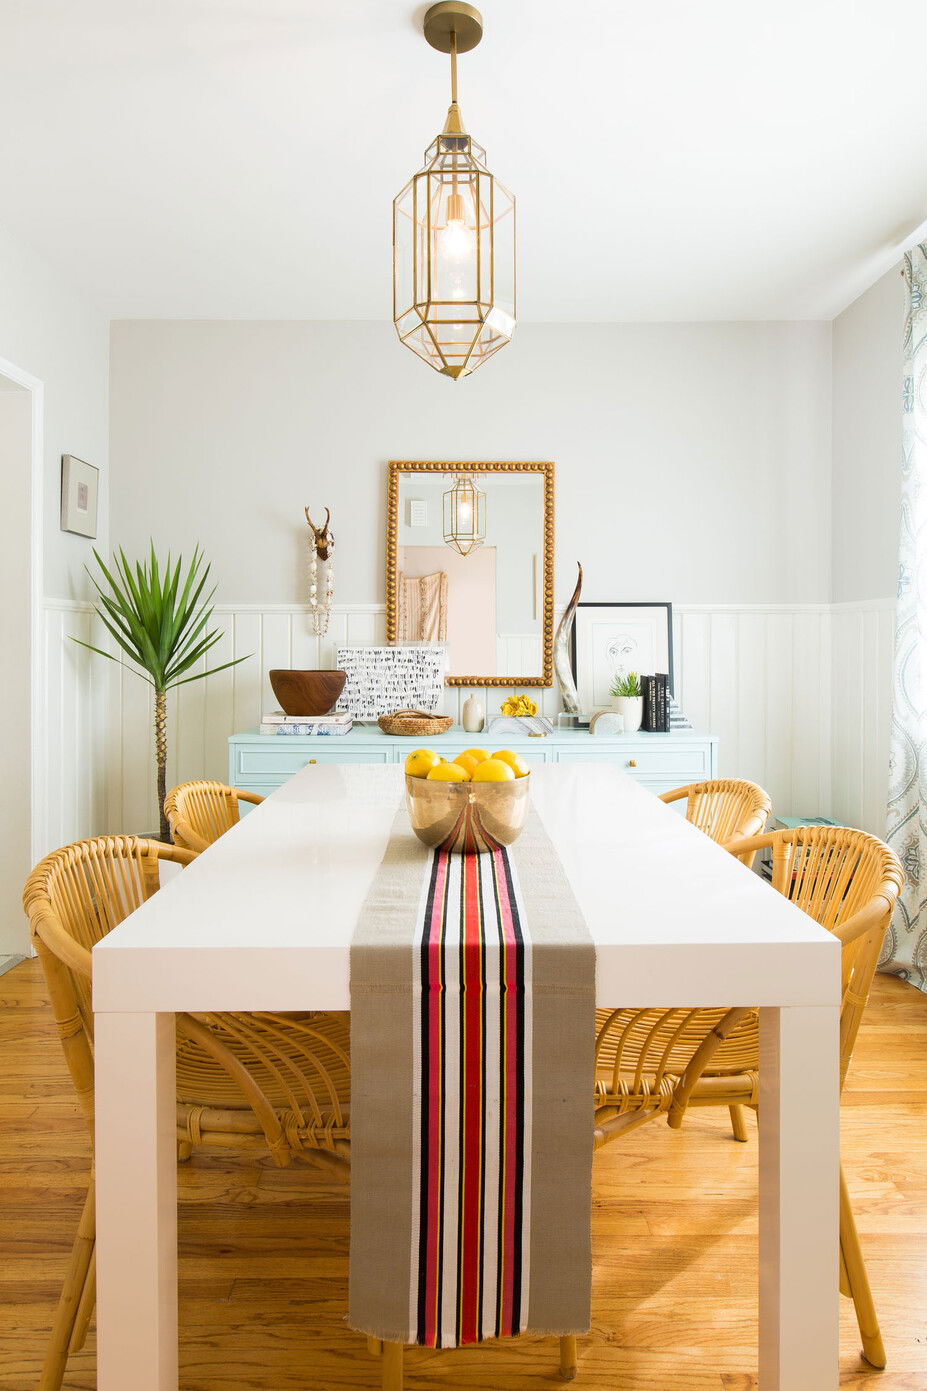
(263, 920)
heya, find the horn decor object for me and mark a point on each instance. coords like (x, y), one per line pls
(562, 664)
(321, 573)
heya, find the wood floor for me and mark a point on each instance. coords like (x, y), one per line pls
(263, 1251)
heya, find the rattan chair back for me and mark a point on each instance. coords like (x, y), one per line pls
(200, 812)
(724, 808)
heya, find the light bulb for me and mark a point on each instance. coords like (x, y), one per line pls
(457, 241)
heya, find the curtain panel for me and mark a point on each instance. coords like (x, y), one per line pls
(905, 951)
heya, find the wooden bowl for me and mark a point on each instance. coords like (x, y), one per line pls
(307, 692)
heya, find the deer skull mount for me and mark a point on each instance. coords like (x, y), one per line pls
(321, 572)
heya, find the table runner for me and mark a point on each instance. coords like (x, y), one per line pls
(472, 1028)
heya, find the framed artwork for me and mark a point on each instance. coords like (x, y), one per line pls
(610, 640)
(384, 679)
(79, 488)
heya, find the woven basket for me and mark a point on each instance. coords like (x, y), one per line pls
(414, 723)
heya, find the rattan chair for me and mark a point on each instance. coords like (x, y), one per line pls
(260, 1082)
(651, 1062)
(724, 808)
(200, 812)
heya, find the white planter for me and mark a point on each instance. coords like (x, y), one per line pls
(631, 710)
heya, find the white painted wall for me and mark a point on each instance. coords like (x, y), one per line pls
(693, 460)
(866, 488)
(60, 337)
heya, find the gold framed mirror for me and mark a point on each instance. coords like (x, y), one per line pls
(470, 562)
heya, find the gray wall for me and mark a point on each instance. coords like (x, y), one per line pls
(867, 442)
(693, 460)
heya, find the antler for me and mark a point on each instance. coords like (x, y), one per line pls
(324, 540)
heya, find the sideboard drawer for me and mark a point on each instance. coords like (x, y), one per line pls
(281, 761)
(681, 765)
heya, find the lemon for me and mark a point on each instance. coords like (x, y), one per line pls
(467, 762)
(494, 770)
(478, 754)
(517, 764)
(420, 763)
(448, 772)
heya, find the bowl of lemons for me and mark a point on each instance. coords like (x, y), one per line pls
(470, 804)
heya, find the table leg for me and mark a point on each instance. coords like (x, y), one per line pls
(136, 1169)
(799, 1153)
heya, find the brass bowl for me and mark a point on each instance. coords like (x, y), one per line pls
(467, 817)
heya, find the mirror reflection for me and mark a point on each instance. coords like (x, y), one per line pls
(468, 567)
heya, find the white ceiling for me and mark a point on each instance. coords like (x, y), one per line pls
(237, 158)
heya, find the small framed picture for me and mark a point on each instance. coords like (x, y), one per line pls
(610, 640)
(79, 486)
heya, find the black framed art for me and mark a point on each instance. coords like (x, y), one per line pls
(610, 640)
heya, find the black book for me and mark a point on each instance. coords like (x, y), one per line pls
(651, 710)
(662, 702)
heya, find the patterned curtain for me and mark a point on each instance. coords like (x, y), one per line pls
(905, 953)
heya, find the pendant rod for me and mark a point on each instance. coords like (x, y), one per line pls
(453, 67)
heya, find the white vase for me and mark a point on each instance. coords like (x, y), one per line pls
(473, 715)
(631, 709)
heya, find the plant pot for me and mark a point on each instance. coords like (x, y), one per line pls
(306, 692)
(631, 710)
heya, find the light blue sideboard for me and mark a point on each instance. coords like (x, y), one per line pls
(262, 762)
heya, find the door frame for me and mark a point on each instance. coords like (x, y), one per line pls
(36, 389)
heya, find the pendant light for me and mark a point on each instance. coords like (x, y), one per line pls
(454, 233)
(464, 515)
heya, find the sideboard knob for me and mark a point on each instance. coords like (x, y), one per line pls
(632, 762)
(313, 760)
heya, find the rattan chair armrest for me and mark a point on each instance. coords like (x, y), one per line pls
(254, 798)
(701, 1059)
(61, 944)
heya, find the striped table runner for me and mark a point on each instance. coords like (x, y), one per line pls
(472, 1026)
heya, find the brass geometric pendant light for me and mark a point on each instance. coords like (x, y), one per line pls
(454, 233)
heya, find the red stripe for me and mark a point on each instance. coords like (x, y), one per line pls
(434, 1044)
(471, 1146)
(509, 1115)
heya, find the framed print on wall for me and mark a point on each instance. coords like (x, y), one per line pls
(610, 640)
(79, 488)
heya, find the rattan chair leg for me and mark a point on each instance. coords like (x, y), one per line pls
(392, 1367)
(86, 1307)
(69, 1302)
(860, 1292)
(567, 1358)
(184, 1151)
(738, 1123)
(375, 1347)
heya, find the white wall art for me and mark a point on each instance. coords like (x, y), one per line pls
(384, 679)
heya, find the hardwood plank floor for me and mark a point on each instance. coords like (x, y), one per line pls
(263, 1251)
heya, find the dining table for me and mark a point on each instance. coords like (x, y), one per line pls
(264, 920)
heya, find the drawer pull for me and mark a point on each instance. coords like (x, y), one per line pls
(313, 760)
(632, 762)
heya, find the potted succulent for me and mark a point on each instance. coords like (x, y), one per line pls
(628, 700)
(158, 616)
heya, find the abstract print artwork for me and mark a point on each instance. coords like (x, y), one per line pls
(384, 679)
(905, 951)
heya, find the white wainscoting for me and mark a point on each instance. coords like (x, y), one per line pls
(74, 797)
(861, 695)
(760, 677)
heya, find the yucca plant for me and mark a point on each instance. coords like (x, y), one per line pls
(627, 684)
(159, 617)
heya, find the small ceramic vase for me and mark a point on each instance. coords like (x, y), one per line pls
(473, 715)
(631, 709)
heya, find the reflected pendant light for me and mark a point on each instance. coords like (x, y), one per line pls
(464, 515)
(454, 233)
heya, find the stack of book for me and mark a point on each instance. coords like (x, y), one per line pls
(656, 703)
(278, 723)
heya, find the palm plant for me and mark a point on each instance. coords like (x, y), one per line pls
(159, 616)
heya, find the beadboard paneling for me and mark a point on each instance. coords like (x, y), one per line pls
(758, 677)
(799, 697)
(861, 685)
(73, 794)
